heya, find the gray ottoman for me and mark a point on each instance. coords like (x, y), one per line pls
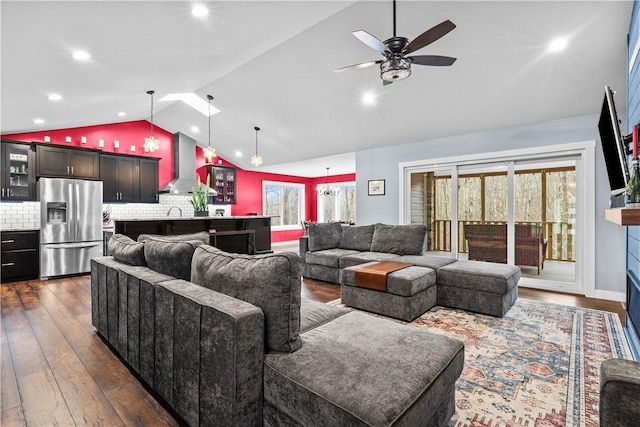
(358, 370)
(483, 287)
(410, 292)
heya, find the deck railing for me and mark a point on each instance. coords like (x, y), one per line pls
(560, 237)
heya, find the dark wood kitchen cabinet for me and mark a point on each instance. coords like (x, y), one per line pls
(20, 255)
(63, 162)
(149, 180)
(119, 176)
(18, 172)
(129, 179)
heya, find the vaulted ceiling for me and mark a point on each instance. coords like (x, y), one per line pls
(269, 63)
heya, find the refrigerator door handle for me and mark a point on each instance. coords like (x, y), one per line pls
(73, 245)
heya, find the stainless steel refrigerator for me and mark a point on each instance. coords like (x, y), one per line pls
(70, 225)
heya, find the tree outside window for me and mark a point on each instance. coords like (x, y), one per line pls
(339, 207)
(284, 202)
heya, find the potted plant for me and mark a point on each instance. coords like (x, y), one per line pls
(199, 199)
(106, 217)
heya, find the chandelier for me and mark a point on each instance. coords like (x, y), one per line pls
(326, 190)
(150, 143)
(256, 160)
(209, 151)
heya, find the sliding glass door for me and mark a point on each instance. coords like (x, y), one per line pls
(516, 212)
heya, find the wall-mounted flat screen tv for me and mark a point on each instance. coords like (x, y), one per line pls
(615, 155)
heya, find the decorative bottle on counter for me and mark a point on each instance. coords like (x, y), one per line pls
(633, 188)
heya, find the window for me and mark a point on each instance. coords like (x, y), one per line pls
(284, 202)
(339, 207)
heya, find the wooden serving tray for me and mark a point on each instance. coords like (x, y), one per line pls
(375, 276)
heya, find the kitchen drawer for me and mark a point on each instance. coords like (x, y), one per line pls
(12, 240)
(19, 265)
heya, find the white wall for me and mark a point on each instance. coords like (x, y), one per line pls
(382, 163)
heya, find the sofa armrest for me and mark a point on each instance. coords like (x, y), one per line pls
(304, 248)
(619, 391)
(209, 353)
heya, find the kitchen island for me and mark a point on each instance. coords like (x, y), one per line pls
(239, 234)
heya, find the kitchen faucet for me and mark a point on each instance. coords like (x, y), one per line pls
(169, 211)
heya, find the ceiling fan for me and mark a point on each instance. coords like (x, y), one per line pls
(396, 65)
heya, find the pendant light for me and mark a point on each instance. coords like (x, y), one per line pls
(326, 191)
(150, 143)
(256, 160)
(209, 151)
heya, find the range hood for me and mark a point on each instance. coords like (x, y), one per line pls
(184, 166)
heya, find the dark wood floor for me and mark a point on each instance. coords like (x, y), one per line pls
(55, 370)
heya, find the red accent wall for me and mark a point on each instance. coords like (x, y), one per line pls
(249, 183)
(249, 192)
(127, 133)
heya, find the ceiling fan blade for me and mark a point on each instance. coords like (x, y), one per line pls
(429, 36)
(354, 66)
(370, 41)
(433, 60)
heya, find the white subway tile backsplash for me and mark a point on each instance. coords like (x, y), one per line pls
(19, 216)
(26, 215)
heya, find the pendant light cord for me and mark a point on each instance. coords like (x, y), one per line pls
(151, 92)
(209, 97)
(257, 129)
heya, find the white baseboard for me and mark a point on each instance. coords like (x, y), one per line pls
(609, 295)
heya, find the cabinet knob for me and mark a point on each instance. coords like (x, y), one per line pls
(68, 170)
(8, 264)
(3, 192)
(8, 241)
(72, 170)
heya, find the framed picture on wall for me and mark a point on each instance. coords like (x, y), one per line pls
(376, 187)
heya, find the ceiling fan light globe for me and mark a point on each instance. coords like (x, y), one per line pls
(395, 69)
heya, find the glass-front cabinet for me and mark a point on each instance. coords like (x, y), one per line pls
(18, 179)
(223, 181)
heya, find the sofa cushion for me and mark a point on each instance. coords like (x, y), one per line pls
(357, 237)
(362, 257)
(324, 235)
(172, 258)
(399, 239)
(271, 282)
(480, 276)
(328, 257)
(201, 235)
(126, 250)
(358, 370)
(314, 314)
(431, 261)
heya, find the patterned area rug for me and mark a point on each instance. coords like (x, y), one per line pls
(539, 365)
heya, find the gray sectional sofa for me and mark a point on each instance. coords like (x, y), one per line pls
(332, 253)
(229, 341)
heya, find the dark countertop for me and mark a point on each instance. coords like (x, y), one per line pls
(187, 218)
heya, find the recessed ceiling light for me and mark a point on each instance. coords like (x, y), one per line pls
(54, 97)
(38, 121)
(238, 153)
(121, 114)
(193, 101)
(195, 129)
(81, 55)
(199, 10)
(558, 44)
(368, 98)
